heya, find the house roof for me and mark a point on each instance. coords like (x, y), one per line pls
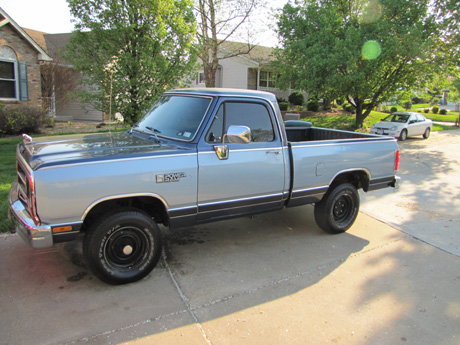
(56, 43)
(38, 37)
(260, 54)
(5, 19)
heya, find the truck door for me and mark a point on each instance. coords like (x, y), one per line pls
(252, 178)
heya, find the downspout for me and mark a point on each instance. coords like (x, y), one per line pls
(258, 77)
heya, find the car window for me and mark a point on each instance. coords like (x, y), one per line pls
(420, 118)
(402, 118)
(253, 115)
(176, 117)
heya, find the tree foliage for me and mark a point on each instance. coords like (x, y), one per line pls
(131, 49)
(362, 50)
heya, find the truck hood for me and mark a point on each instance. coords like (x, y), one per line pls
(72, 149)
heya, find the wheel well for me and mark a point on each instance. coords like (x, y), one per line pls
(360, 179)
(150, 205)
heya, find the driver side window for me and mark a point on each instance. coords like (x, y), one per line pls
(253, 115)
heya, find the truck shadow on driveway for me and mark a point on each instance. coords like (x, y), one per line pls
(206, 272)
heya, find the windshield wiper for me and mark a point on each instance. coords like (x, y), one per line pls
(154, 131)
(151, 129)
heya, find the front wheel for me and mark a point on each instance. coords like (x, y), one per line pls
(123, 247)
(338, 209)
(426, 135)
(403, 135)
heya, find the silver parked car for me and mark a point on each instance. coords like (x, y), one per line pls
(402, 125)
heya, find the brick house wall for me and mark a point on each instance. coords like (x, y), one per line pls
(26, 53)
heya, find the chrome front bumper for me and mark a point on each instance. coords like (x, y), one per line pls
(36, 236)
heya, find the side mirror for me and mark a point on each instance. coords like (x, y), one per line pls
(239, 134)
(235, 135)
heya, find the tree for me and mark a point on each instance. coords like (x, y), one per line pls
(58, 82)
(131, 49)
(218, 21)
(362, 50)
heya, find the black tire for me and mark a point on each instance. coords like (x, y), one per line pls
(427, 133)
(403, 135)
(122, 247)
(338, 209)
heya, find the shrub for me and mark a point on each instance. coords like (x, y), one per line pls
(296, 98)
(435, 100)
(426, 110)
(22, 119)
(280, 100)
(443, 112)
(348, 107)
(435, 109)
(393, 109)
(339, 101)
(283, 105)
(313, 105)
(407, 105)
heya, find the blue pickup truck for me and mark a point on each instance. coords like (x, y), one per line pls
(197, 156)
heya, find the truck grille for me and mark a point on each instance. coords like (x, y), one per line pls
(23, 182)
(26, 191)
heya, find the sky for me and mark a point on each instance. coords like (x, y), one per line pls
(50, 16)
(53, 17)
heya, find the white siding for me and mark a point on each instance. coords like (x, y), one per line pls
(75, 111)
(234, 73)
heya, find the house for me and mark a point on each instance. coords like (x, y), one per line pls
(32, 72)
(251, 71)
(26, 56)
(20, 60)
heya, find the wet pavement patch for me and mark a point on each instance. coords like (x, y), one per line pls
(77, 277)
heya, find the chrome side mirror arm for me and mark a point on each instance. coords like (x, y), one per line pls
(235, 134)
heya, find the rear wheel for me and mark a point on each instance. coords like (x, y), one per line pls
(123, 247)
(338, 209)
(426, 135)
(403, 135)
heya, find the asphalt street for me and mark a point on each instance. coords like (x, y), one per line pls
(394, 278)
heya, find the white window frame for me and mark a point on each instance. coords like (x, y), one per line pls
(8, 55)
(200, 78)
(270, 79)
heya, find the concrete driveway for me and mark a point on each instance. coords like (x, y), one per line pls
(394, 278)
(427, 206)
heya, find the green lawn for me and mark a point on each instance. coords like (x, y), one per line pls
(451, 116)
(7, 176)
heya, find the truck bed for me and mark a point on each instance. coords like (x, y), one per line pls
(301, 134)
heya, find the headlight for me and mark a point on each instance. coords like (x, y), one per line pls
(393, 128)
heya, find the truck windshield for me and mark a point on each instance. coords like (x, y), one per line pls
(175, 117)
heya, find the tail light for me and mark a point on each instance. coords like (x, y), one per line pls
(397, 161)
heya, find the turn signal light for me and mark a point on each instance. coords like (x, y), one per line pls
(62, 229)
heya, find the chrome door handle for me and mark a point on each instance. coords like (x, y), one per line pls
(276, 152)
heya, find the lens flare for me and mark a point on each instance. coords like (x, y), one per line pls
(371, 50)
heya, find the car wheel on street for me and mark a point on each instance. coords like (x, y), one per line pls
(403, 135)
(122, 247)
(426, 135)
(338, 209)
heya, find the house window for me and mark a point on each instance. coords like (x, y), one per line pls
(201, 78)
(8, 74)
(267, 79)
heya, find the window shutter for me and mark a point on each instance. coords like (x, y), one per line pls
(23, 89)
